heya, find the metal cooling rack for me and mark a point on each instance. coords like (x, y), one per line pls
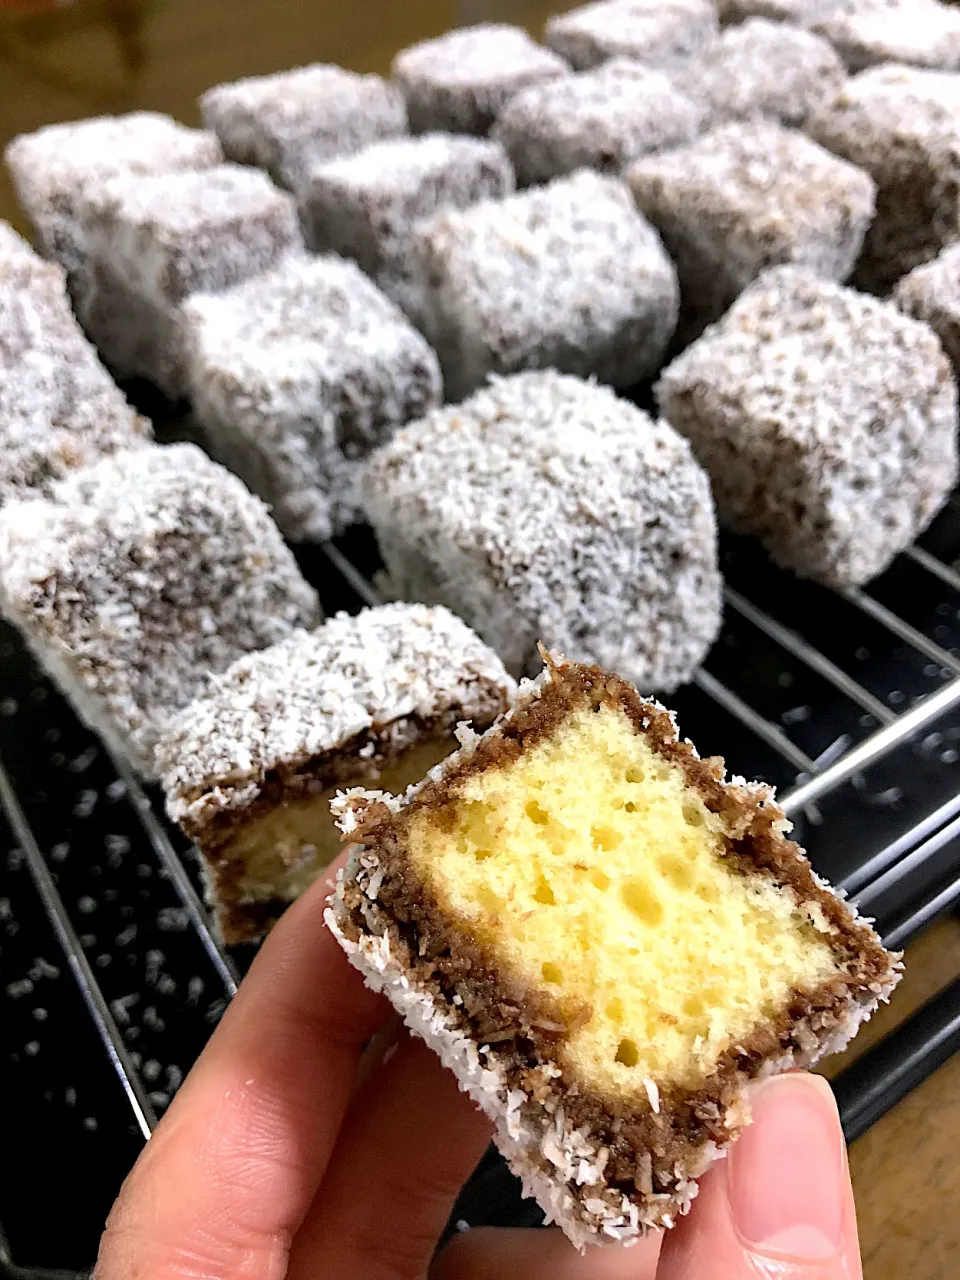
(111, 979)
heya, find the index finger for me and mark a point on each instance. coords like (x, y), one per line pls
(223, 1184)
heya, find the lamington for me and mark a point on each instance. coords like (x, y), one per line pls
(546, 508)
(768, 69)
(827, 421)
(53, 168)
(600, 119)
(366, 206)
(290, 122)
(932, 293)
(250, 767)
(659, 32)
(568, 276)
(901, 125)
(461, 81)
(924, 33)
(295, 376)
(801, 13)
(605, 941)
(749, 195)
(140, 575)
(59, 408)
(156, 241)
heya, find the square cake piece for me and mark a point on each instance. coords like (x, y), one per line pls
(296, 375)
(53, 168)
(600, 119)
(249, 769)
(59, 408)
(747, 196)
(605, 941)
(568, 276)
(901, 125)
(827, 421)
(137, 578)
(932, 293)
(290, 122)
(546, 508)
(157, 240)
(924, 33)
(461, 81)
(365, 206)
(766, 68)
(660, 32)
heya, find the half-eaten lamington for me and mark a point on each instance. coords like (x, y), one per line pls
(605, 941)
(250, 767)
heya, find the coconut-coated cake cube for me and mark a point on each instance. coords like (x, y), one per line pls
(140, 576)
(901, 125)
(931, 293)
(606, 941)
(296, 375)
(157, 240)
(365, 206)
(290, 122)
(924, 33)
(250, 767)
(826, 419)
(462, 80)
(545, 508)
(54, 167)
(748, 195)
(59, 408)
(768, 69)
(568, 276)
(659, 32)
(599, 119)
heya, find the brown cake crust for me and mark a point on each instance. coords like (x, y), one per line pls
(655, 1143)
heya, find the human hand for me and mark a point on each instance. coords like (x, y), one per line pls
(292, 1151)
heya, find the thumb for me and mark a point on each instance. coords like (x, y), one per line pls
(780, 1207)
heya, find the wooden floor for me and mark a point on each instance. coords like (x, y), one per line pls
(113, 55)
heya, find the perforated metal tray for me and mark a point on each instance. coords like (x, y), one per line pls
(111, 980)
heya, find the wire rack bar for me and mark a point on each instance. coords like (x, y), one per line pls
(771, 734)
(892, 877)
(902, 630)
(925, 914)
(875, 747)
(885, 857)
(179, 876)
(364, 589)
(808, 655)
(932, 565)
(83, 975)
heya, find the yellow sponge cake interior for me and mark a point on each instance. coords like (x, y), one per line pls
(591, 868)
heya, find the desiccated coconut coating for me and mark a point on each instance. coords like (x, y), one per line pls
(932, 293)
(747, 196)
(600, 119)
(141, 575)
(567, 276)
(661, 32)
(902, 125)
(924, 33)
(296, 375)
(365, 206)
(827, 421)
(59, 408)
(389, 674)
(801, 13)
(290, 122)
(545, 508)
(461, 81)
(766, 68)
(54, 167)
(157, 240)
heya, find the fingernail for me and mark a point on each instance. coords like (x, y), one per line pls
(787, 1174)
